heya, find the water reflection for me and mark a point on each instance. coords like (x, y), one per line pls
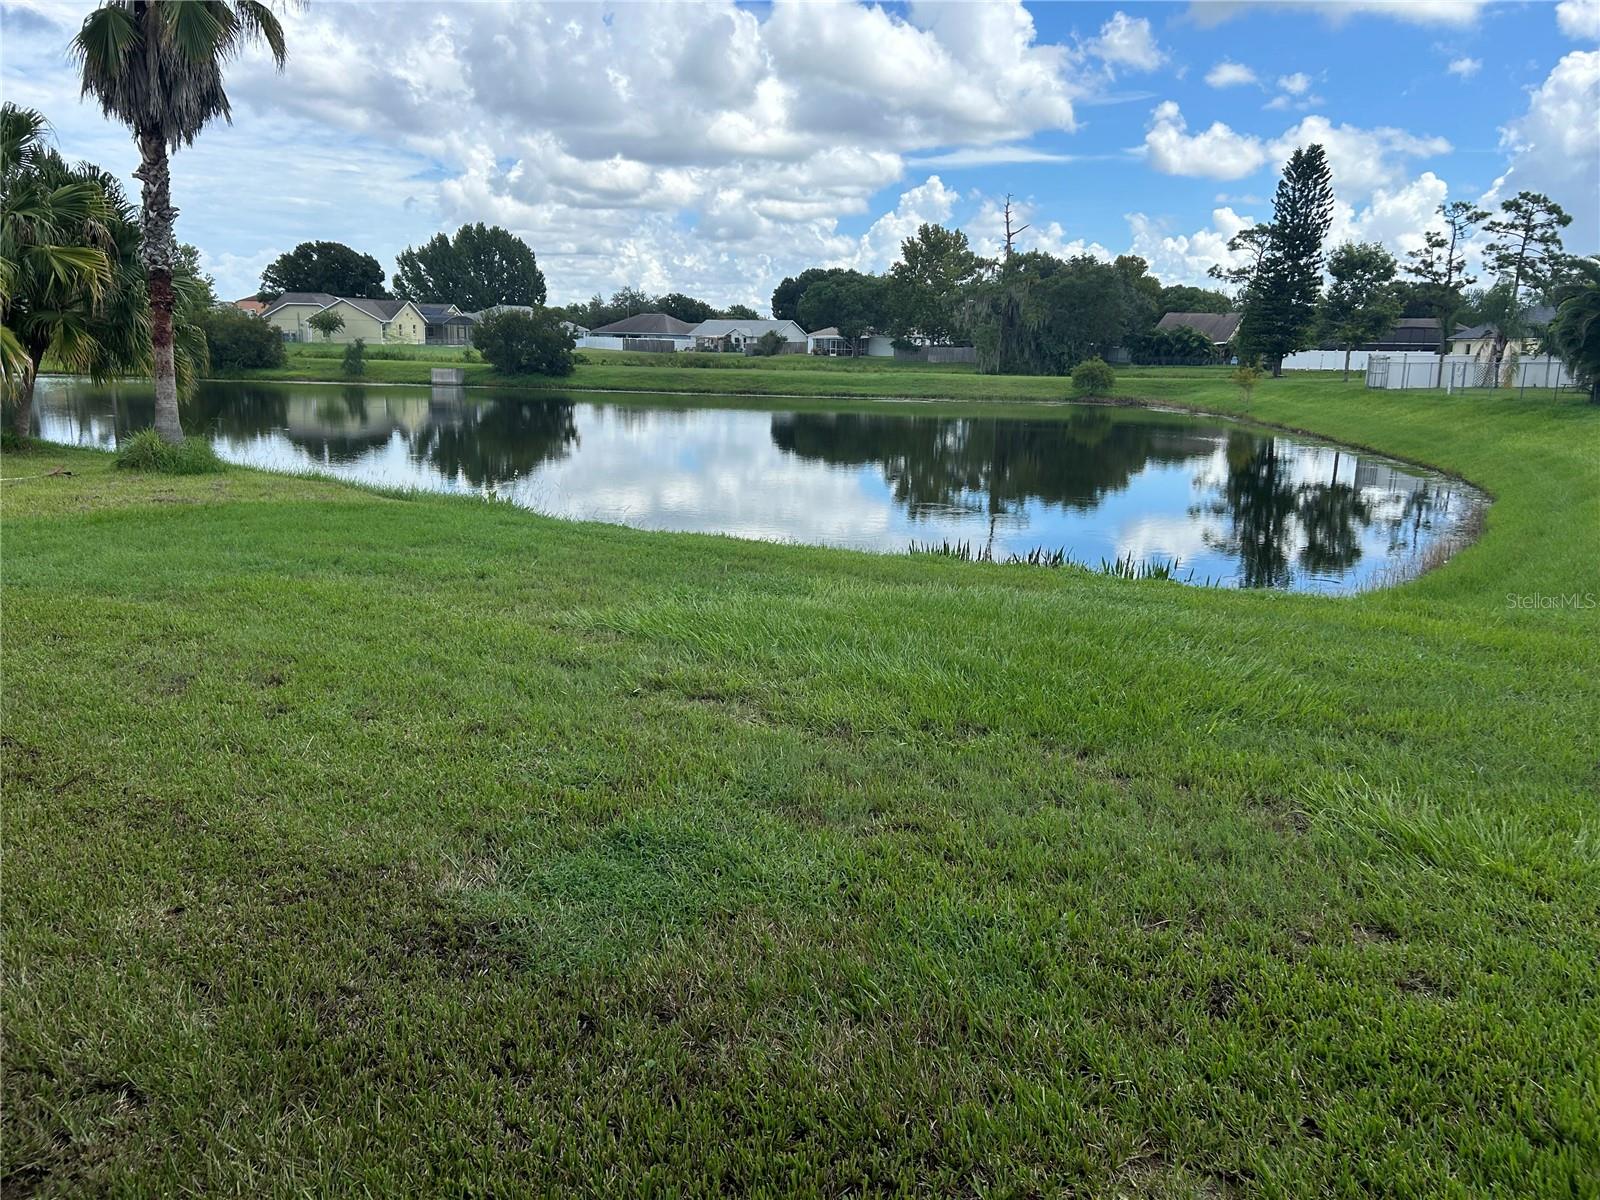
(1236, 506)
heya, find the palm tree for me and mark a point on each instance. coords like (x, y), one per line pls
(54, 260)
(157, 68)
(1574, 334)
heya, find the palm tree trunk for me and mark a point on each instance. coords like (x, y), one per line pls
(158, 250)
(22, 406)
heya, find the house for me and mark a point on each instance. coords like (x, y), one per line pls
(725, 334)
(1478, 340)
(832, 343)
(655, 331)
(251, 305)
(370, 320)
(1218, 328)
(1409, 333)
(447, 325)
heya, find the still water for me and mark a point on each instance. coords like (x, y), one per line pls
(1236, 506)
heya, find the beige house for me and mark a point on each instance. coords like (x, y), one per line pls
(1478, 340)
(373, 321)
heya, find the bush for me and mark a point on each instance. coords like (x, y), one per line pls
(145, 451)
(770, 344)
(355, 359)
(518, 343)
(238, 341)
(1093, 377)
(1245, 377)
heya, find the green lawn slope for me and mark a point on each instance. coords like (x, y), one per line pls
(367, 844)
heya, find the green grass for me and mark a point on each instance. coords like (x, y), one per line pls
(361, 843)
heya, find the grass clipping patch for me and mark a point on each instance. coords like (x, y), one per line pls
(145, 451)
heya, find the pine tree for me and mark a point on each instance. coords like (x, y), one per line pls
(1440, 263)
(1526, 254)
(1280, 304)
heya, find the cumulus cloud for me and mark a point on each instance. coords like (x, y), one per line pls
(1360, 159)
(1230, 74)
(1579, 19)
(1466, 68)
(1126, 41)
(1555, 145)
(696, 147)
(986, 232)
(1214, 153)
(1297, 84)
(1186, 258)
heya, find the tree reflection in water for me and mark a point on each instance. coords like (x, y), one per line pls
(1235, 505)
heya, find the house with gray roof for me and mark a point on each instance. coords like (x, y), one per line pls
(732, 334)
(654, 331)
(371, 320)
(1217, 328)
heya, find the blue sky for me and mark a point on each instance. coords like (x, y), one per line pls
(714, 148)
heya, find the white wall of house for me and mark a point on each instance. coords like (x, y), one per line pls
(590, 341)
(880, 345)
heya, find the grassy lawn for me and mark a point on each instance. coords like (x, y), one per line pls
(379, 845)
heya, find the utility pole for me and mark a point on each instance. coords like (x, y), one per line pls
(1010, 232)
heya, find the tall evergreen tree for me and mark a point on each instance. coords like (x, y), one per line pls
(1280, 304)
(1440, 264)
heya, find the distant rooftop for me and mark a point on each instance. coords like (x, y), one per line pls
(1218, 327)
(646, 325)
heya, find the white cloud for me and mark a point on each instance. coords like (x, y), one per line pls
(1214, 153)
(1466, 68)
(1186, 258)
(1555, 145)
(986, 231)
(931, 202)
(1126, 41)
(1579, 19)
(1360, 160)
(1229, 74)
(1297, 84)
(987, 156)
(1459, 13)
(704, 148)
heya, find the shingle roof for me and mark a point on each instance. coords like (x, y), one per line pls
(1219, 327)
(658, 324)
(1542, 315)
(722, 326)
(320, 299)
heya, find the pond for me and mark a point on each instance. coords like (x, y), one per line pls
(1234, 505)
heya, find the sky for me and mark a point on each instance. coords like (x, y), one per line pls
(713, 148)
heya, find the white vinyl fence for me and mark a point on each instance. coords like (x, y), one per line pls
(1453, 372)
(1325, 360)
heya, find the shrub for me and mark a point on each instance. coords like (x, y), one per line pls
(238, 341)
(1245, 377)
(355, 359)
(770, 344)
(1093, 377)
(518, 343)
(145, 451)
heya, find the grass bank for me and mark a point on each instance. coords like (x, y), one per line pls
(425, 845)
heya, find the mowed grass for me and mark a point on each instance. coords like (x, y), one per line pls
(358, 843)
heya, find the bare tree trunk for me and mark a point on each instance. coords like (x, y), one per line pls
(1347, 364)
(158, 250)
(1277, 366)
